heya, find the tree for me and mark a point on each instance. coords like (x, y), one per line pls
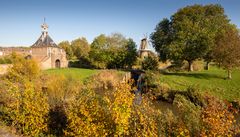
(80, 47)
(227, 52)
(190, 33)
(161, 38)
(116, 43)
(218, 20)
(114, 51)
(150, 63)
(131, 55)
(67, 47)
(98, 53)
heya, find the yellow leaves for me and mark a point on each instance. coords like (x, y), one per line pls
(85, 115)
(90, 115)
(144, 120)
(26, 107)
(183, 132)
(122, 107)
(217, 119)
(22, 69)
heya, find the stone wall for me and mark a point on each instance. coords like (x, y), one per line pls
(45, 56)
(18, 50)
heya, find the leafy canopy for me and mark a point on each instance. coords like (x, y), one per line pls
(190, 33)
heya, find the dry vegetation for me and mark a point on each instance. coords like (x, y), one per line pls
(55, 105)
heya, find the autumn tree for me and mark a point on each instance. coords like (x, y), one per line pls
(190, 33)
(227, 52)
(80, 47)
(217, 22)
(67, 47)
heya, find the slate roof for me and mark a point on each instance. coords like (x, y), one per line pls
(44, 41)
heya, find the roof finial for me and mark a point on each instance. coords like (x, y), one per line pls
(44, 20)
(44, 27)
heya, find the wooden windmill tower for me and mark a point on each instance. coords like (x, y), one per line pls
(144, 51)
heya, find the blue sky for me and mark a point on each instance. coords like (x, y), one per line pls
(20, 20)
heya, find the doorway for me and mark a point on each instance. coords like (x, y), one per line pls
(57, 63)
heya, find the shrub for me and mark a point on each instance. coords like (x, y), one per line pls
(122, 108)
(85, 116)
(150, 63)
(82, 63)
(93, 115)
(105, 80)
(26, 108)
(22, 69)
(60, 90)
(189, 113)
(151, 78)
(193, 94)
(5, 60)
(24, 104)
(156, 89)
(217, 119)
(144, 119)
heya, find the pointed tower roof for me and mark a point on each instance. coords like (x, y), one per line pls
(45, 40)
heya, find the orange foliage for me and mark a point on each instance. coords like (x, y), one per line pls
(218, 119)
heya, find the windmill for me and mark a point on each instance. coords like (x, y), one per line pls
(145, 43)
(144, 49)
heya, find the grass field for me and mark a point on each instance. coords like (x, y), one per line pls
(76, 73)
(212, 81)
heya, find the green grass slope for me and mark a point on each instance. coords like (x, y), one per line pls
(76, 73)
(212, 81)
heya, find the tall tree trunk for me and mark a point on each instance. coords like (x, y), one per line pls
(207, 66)
(229, 74)
(190, 66)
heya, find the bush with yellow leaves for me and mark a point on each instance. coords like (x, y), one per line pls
(93, 115)
(144, 119)
(218, 119)
(60, 91)
(88, 115)
(23, 103)
(121, 109)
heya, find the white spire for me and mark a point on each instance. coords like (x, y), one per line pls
(44, 27)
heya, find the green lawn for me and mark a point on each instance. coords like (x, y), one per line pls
(77, 73)
(212, 81)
